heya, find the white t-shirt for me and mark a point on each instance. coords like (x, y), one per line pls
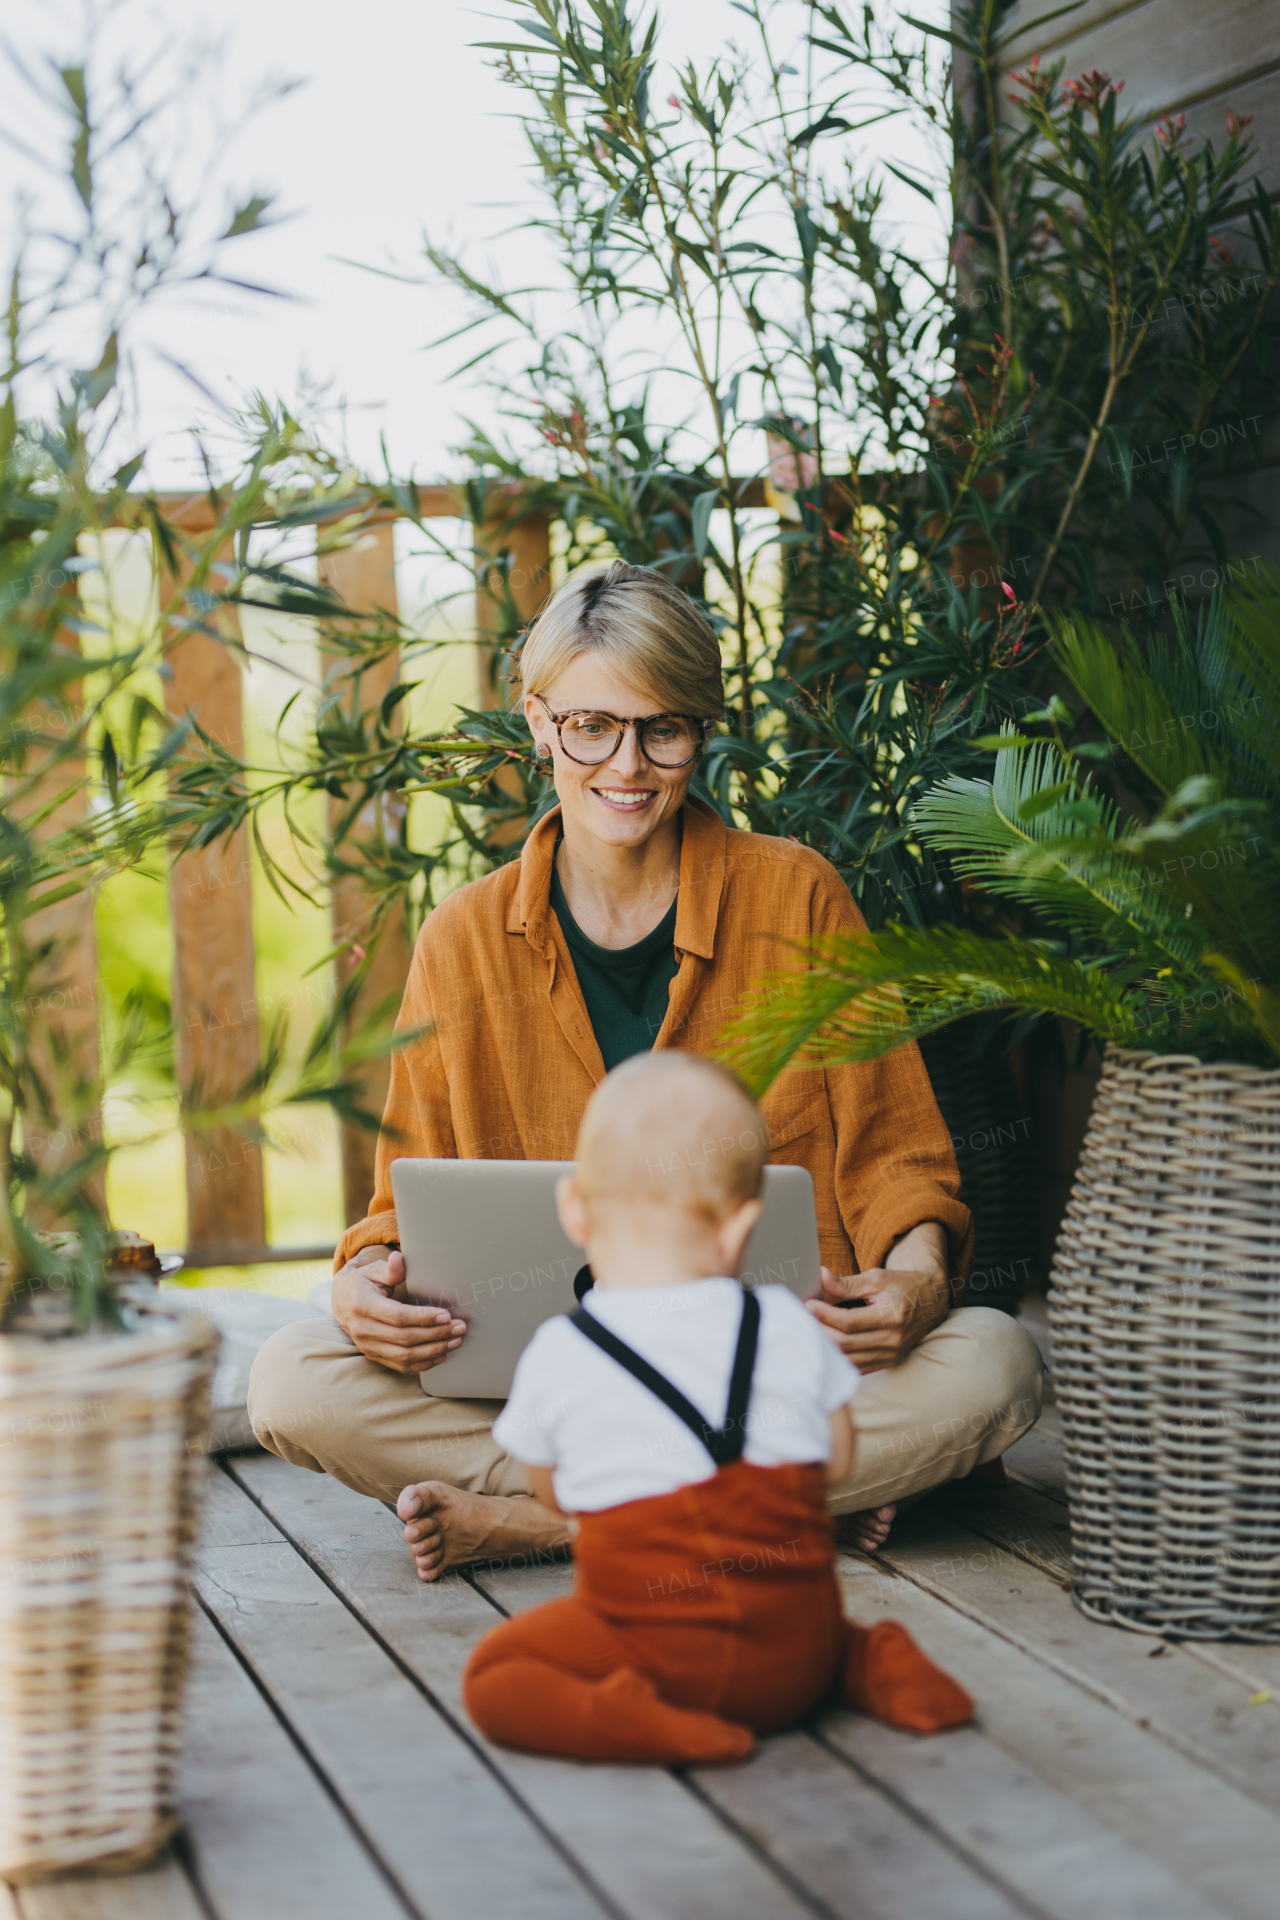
(610, 1439)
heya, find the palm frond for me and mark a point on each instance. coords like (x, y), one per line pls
(1152, 717)
(1034, 796)
(1251, 641)
(862, 995)
(1039, 834)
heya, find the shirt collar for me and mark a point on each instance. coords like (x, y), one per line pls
(703, 865)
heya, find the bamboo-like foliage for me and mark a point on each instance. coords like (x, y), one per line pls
(96, 775)
(1026, 420)
(1162, 927)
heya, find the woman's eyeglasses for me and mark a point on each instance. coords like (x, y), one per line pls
(665, 739)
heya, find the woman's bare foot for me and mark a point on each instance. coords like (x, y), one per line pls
(869, 1531)
(448, 1528)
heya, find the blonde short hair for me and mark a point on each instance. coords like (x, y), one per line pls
(639, 626)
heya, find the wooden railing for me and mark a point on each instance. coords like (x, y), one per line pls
(215, 1000)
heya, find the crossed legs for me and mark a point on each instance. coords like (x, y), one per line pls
(967, 1392)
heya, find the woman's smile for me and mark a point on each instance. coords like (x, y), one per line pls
(626, 799)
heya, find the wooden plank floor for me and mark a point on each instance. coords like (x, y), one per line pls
(331, 1773)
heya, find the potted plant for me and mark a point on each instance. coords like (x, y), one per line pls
(104, 1383)
(949, 437)
(1160, 903)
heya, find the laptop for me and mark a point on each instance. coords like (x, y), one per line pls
(482, 1237)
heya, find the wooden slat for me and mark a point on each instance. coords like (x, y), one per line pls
(365, 577)
(1014, 1518)
(215, 1008)
(194, 513)
(265, 1836)
(1169, 53)
(856, 1849)
(163, 1893)
(1077, 1810)
(1207, 120)
(1091, 16)
(635, 1830)
(1200, 1707)
(421, 1795)
(846, 1843)
(1037, 1461)
(529, 579)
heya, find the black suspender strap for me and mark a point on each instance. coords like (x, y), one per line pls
(725, 1443)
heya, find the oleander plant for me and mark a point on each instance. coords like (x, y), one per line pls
(1147, 855)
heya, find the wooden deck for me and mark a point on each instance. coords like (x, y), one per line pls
(331, 1772)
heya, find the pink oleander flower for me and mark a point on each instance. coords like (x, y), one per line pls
(1038, 87)
(1008, 591)
(1090, 89)
(1237, 123)
(1170, 129)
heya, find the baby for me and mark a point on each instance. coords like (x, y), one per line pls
(691, 1426)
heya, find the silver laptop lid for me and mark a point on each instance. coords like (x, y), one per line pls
(483, 1238)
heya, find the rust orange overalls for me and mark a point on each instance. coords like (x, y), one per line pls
(700, 1616)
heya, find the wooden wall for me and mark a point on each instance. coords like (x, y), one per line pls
(1198, 58)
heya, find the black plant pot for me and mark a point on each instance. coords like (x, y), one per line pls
(991, 1131)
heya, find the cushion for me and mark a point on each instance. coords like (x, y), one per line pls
(245, 1319)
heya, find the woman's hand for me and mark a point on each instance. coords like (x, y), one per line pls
(395, 1333)
(897, 1304)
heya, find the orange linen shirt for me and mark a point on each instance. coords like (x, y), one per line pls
(510, 1059)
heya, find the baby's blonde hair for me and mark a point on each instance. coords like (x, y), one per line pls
(672, 1127)
(638, 625)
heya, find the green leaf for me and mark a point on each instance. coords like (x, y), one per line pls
(926, 192)
(835, 372)
(81, 173)
(110, 767)
(829, 123)
(248, 218)
(703, 507)
(1039, 803)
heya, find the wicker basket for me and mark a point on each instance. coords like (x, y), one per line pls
(1165, 1310)
(101, 1452)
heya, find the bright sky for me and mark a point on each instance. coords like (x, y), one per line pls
(400, 126)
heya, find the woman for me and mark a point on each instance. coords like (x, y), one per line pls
(635, 918)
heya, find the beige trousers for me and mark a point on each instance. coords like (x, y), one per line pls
(968, 1391)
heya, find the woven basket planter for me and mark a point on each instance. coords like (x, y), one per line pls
(101, 1452)
(1165, 1310)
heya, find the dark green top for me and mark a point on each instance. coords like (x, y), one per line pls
(625, 988)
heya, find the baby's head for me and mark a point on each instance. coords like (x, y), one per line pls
(669, 1160)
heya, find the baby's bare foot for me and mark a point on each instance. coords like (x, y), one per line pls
(868, 1531)
(449, 1528)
